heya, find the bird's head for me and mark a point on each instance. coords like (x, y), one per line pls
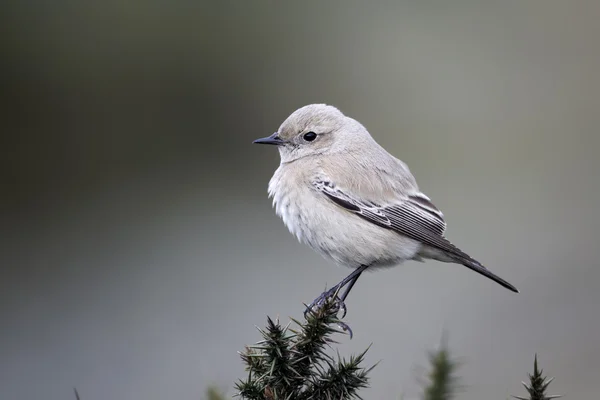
(315, 129)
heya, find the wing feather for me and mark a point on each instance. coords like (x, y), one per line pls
(414, 216)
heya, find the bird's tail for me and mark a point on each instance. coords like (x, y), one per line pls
(480, 269)
(451, 253)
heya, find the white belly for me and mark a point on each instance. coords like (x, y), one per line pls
(336, 233)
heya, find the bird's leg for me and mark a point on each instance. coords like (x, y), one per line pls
(345, 294)
(350, 280)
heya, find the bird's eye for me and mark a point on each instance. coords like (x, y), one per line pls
(309, 136)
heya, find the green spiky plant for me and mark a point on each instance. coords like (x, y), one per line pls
(441, 379)
(537, 385)
(213, 393)
(295, 364)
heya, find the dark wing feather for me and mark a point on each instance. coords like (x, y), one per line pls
(415, 217)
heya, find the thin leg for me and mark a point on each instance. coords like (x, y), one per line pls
(350, 280)
(347, 292)
(350, 285)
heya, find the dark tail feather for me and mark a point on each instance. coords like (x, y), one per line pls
(445, 251)
(480, 269)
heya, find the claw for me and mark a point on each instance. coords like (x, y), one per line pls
(346, 328)
(324, 297)
(316, 303)
(343, 309)
(339, 306)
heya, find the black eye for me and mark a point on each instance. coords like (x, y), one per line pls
(309, 136)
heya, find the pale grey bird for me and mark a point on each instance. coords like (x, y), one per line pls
(344, 195)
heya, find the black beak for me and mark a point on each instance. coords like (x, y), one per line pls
(273, 139)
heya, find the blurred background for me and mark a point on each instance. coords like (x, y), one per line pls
(139, 248)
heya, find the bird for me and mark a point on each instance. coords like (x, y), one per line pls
(341, 193)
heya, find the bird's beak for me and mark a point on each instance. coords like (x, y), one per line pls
(273, 139)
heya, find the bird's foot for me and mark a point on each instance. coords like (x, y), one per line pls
(334, 304)
(346, 328)
(329, 295)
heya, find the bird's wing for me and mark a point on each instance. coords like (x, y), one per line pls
(413, 216)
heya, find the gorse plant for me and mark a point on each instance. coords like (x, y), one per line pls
(441, 381)
(212, 393)
(295, 363)
(537, 385)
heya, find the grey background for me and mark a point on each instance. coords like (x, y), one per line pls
(138, 246)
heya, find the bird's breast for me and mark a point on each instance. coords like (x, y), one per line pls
(332, 231)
